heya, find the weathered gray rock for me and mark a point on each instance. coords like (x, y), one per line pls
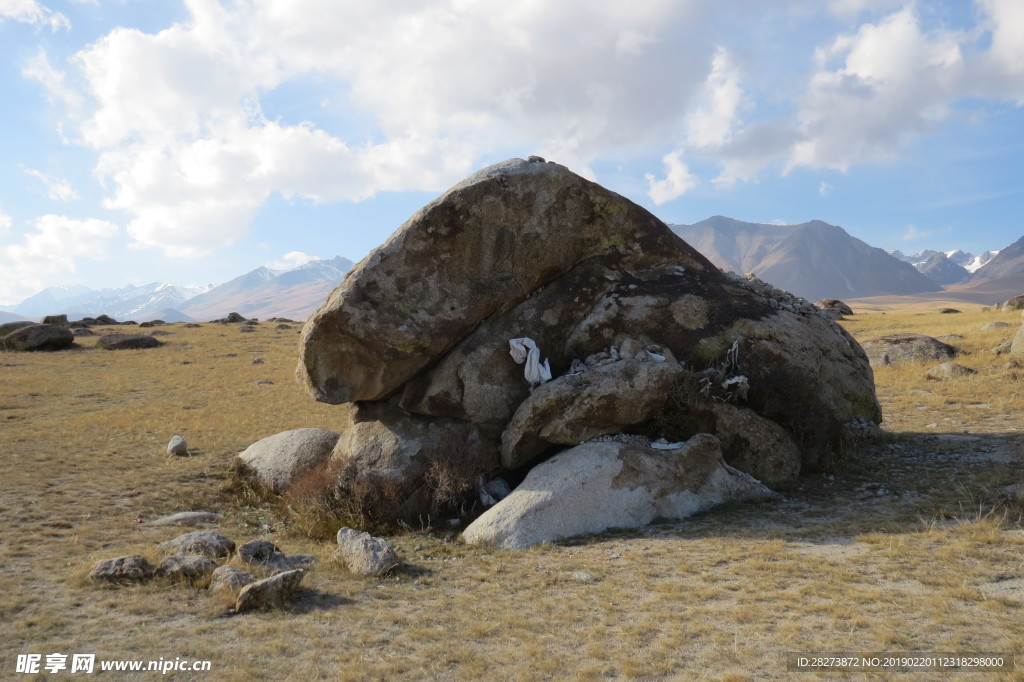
(125, 569)
(59, 320)
(416, 339)
(905, 348)
(1014, 303)
(82, 331)
(204, 542)
(575, 408)
(177, 446)
(39, 337)
(229, 581)
(989, 326)
(833, 308)
(8, 327)
(385, 448)
(190, 568)
(364, 554)
(259, 551)
(275, 461)
(127, 342)
(1017, 345)
(602, 485)
(273, 592)
(948, 370)
(187, 518)
(1003, 348)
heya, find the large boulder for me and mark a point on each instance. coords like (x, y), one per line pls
(275, 461)
(602, 485)
(641, 333)
(905, 348)
(39, 337)
(8, 327)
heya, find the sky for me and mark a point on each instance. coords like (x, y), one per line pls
(189, 142)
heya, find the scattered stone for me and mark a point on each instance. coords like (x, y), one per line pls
(284, 326)
(229, 580)
(1013, 364)
(246, 328)
(82, 331)
(994, 325)
(602, 485)
(265, 382)
(1003, 348)
(125, 569)
(203, 542)
(192, 325)
(259, 551)
(275, 461)
(949, 311)
(257, 361)
(187, 518)
(127, 342)
(833, 308)
(190, 568)
(232, 318)
(108, 320)
(905, 348)
(948, 370)
(364, 554)
(59, 320)
(39, 337)
(159, 332)
(273, 592)
(177, 446)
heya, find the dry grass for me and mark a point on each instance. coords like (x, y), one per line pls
(909, 549)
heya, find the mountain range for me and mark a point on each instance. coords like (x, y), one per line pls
(260, 293)
(814, 260)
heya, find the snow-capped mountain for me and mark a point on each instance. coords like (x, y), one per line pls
(130, 302)
(977, 262)
(261, 292)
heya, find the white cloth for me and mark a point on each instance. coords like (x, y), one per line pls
(525, 350)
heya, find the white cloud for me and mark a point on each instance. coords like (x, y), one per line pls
(851, 8)
(913, 232)
(51, 247)
(874, 91)
(193, 158)
(678, 180)
(31, 12)
(5, 222)
(824, 189)
(57, 189)
(292, 259)
(720, 98)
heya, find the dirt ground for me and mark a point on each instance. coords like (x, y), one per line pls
(914, 545)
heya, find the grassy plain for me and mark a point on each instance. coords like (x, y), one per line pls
(909, 548)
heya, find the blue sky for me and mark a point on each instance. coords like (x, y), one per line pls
(190, 142)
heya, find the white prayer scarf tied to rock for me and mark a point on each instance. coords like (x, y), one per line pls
(525, 349)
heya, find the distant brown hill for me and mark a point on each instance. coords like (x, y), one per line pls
(814, 259)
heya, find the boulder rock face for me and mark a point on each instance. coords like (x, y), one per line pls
(276, 460)
(202, 542)
(124, 569)
(602, 485)
(364, 554)
(905, 348)
(269, 593)
(642, 334)
(39, 337)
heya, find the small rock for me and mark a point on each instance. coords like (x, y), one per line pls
(948, 311)
(1003, 348)
(230, 580)
(177, 446)
(187, 518)
(257, 361)
(124, 569)
(264, 381)
(203, 542)
(190, 568)
(994, 325)
(258, 551)
(948, 370)
(365, 554)
(273, 592)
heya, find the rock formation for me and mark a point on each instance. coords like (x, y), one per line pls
(642, 334)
